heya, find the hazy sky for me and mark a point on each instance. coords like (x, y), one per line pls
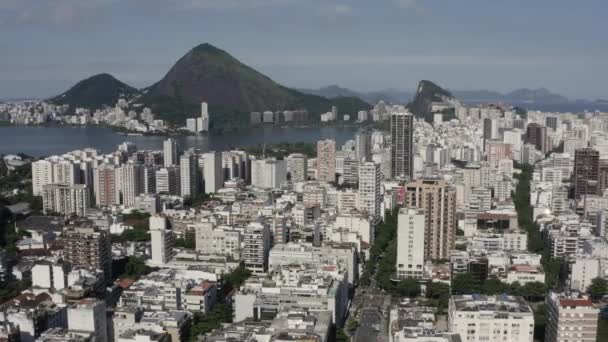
(47, 45)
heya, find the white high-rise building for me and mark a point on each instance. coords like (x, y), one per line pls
(256, 247)
(410, 243)
(212, 171)
(65, 199)
(42, 174)
(191, 125)
(268, 173)
(571, 318)
(491, 318)
(170, 152)
(89, 314)
(188, 167)
(167, 181)
(131, 183)
(161, 240)
(370, 195)
(66, 172)
(297, 167)
(202, 123)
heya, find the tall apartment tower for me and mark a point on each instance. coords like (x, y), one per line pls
(537, 136)
(326, 160)
(363, 146)
(170, 152)
(490, 130)
(131, 183)
(586, 172)
(161, 239)
(149, 180)
(370, 195)
(86, 246)
(603, 175)
(571, 318)
(66, 172)
(402, 145)
(167, 181)
(42, 174)
(439, 203)
(212, 171)
(256, 247)
(410, 243)
(188, 168)
(202, 123)
(552, 122)
(65, 199)
(268, 173)
(105, 181)
(297, 167)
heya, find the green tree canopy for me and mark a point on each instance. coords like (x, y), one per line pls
(598, 288)
(465, 284)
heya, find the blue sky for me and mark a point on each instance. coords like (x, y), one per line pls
(47, 45)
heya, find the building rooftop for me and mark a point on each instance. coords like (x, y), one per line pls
(499, 303)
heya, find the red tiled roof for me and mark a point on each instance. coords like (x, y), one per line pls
(28, 299)
(125, 283)
(575, 302)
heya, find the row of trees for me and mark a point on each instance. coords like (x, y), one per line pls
(386, 234)
(521, 199)
(552, 267)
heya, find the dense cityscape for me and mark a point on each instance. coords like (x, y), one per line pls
(483, 225)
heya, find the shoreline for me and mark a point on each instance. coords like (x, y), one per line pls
(182, 133)
(56, 139)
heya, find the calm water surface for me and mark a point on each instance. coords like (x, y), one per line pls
(44, 141)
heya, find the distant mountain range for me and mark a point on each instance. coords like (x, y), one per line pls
(233, 89)
(206, 73)
(387, 95)
(524, 95)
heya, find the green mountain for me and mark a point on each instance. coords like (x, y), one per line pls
(95, 92)
(232, 90)
(427, 93)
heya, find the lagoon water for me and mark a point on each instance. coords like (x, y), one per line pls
(44, 141)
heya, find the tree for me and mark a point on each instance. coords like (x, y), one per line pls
(598, 288)
(341, 335)
(465, 284)
(136, 267)
(493, 286)
(408, 288)
(236, 278)
(534, 291)
(202, 324)
(185, 243)
(440, 294)
(352, 324)
(436, 290)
